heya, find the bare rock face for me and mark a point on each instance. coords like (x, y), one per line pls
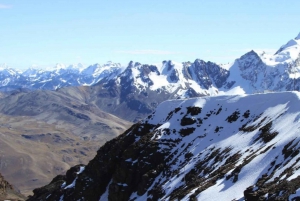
(4, 185)
(113, 161)
(7, 191)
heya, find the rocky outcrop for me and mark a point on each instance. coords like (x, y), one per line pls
(7, 191)
(4, 186)
(113, 166)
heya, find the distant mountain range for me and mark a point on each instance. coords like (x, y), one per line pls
(137, 90)
(59, 76)
(134, 91)
(252, 72)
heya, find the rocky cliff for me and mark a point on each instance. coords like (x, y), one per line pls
(7, 191)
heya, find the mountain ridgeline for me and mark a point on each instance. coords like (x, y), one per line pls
(134, 91)
(210, 148)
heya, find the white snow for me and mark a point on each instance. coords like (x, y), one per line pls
(104, 196)
(82, 168)
(72, 185)
(283, 109)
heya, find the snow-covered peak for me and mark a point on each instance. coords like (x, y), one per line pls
(286, 54)
(298, 37)
(32, 71)
(8, 71)
(76, 66)
(97, 69)
(60, 66)
(3, 66)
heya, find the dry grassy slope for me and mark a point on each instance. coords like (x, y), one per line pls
(129, 105)
(43, 133)
(2, 95)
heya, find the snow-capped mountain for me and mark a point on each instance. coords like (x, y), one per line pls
(134, 91)
(251, 73)
(137, 90)
(56, 77)
(255, 72)
(208, 149)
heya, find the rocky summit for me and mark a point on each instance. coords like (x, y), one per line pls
(242, 147)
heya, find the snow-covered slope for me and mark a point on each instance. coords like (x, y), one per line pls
(242, 147)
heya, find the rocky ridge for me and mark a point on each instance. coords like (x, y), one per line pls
(7, 191)
(212, 148)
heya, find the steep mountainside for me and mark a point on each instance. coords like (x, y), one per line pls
(44, 133)
(211, 148)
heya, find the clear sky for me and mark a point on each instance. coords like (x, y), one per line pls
(43, 33)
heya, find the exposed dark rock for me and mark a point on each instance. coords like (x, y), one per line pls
(266, 134)
(233, 117)
(187, 121)
(194, 110)
(186, 131)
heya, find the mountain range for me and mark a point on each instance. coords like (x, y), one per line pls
(83, 116)
(57, 77)
(134, 91)
(251, 72)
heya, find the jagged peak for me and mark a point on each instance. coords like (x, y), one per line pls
(4, 66)
(298, 37)
(199, 61)
(167, 66)
(169, 62)
(251, 53)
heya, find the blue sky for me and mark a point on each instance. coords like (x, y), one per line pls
(43, 33)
